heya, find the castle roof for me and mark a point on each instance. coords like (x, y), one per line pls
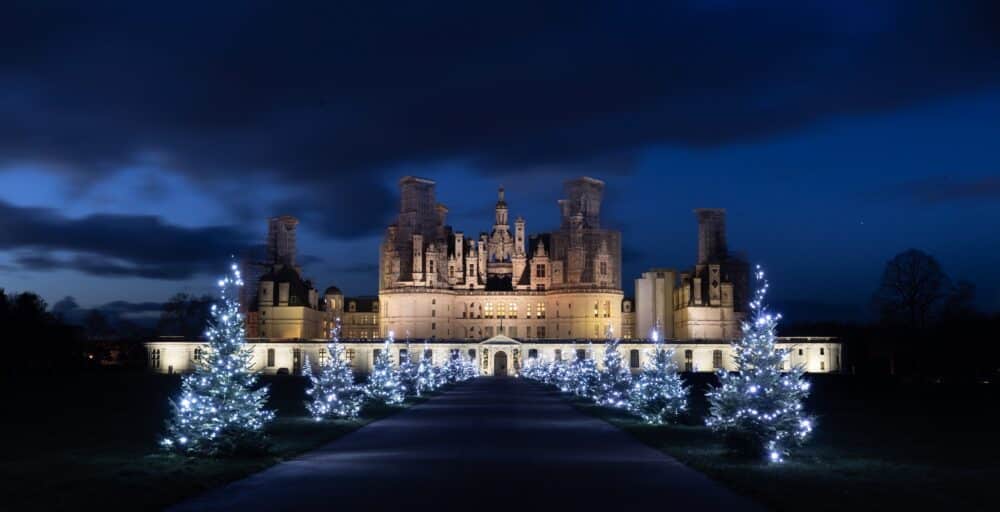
(364, 304)
(298, 288)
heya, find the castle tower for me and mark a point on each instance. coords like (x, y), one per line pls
(583, 197)
(281, 240)
(711, 235)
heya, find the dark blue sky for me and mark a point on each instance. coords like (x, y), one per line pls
(139, 146)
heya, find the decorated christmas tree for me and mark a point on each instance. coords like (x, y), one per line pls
(564, 376)
(219, 412)
(585, 375)
(383, 383)
(332, 392)
(758, 409)
(616, 381)
(469, 368)
(659, 394)
(408, 372)
(454, 367)
(426, 380)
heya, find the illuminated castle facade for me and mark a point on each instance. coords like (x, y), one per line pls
(502, 296)
(436, 282)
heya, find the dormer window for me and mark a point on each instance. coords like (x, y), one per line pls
(353, 307)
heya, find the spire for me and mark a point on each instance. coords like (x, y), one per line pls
(500, 199)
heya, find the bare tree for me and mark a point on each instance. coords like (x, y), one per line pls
(913, 286)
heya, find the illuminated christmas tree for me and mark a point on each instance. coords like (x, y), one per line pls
(616, 380)
(426, 380)
(469, 369)
(758, 409)
(383, 383)
(585, 375)
(408, 373)
(219, 412)
(659, 394)
(333, 392)
(454, 367)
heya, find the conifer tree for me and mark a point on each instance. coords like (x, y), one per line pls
(585, 375)
(408, 372)
(333, 392)
(219, 412)
(616, 380)
(758, 408)
(659, 394)
(426, 380)
(383, 384)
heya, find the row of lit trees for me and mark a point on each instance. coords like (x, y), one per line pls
(657, 394)
(221, 410)
(758, 408)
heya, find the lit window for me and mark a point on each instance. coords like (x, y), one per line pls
(541, 310)
(488, 310)
(513, 310)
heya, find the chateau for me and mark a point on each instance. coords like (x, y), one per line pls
(501, 296)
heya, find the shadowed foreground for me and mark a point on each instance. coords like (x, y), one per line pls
(488, 443)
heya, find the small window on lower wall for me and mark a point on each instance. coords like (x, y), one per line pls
(270, 358)
(633, 358)
(716, 359)
(581, 354)
(558, 356)
(532, 353)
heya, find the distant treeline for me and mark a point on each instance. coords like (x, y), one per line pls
(927, 327)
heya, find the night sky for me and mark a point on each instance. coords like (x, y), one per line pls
(140, 146)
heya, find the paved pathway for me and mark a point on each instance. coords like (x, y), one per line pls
(493, 444)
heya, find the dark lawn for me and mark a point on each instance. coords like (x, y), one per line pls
(879, 445)
(91, 441)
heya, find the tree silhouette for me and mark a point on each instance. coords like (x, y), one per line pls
(913, 286)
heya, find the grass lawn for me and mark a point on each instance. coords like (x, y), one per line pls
(90, 441)
(880, 445)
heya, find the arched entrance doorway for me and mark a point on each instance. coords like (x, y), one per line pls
(500, 364)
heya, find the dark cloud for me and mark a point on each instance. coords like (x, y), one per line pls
(115, 245)
(331, 97)
(946, 190)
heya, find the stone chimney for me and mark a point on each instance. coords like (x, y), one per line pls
(711, 235)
